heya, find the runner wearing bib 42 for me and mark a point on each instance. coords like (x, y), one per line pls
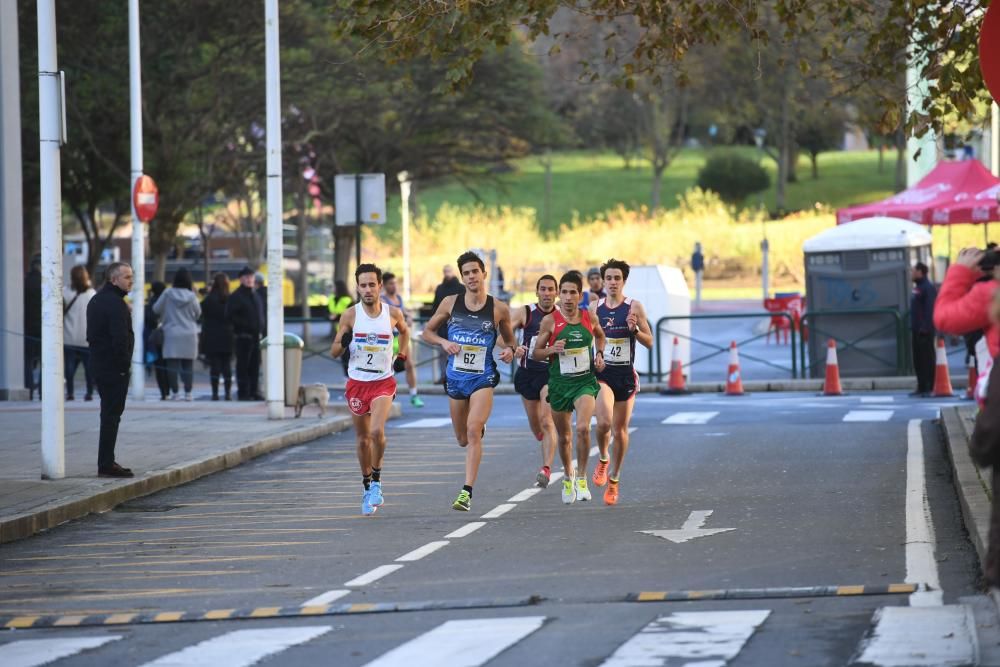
(366, 331)
(624, 320)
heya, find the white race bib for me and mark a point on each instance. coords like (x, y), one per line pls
(574, 361)
(531, 345)
(617, 351)
(371, 359)
(471, 359)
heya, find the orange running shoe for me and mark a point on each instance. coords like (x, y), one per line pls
(601, 473)
(611, 493)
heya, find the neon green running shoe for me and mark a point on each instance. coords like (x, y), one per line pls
(416, 401)
(463, 503)
(568, 490)
(582, 492)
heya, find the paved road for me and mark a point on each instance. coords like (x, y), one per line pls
(814, 490)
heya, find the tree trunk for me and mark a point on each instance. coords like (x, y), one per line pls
(881, 156)
(814, 158)
(547, 203)
(160, 265)
(900, 160)
(654, 197)
(343, 251)
(779, 194)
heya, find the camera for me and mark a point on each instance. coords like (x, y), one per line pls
(990, 260)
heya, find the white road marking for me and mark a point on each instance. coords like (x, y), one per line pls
(921, 567)
(524, 495)
(877, 399)
(467, 529)
(691, 529)
(713, 435)
(373, 575)
(499, 511)
(429, 422)
(556, 476)
(420, 552)
(467, 643)
(868, 416)
(708, 639)
(917, 636)
(33, 652)
(632, 429)
(690, 418)
(240, 648)
(326, 598)
(595, 450)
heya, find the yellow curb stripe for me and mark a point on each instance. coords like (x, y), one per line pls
(850, 590)
(697, 595)
(22, 621)
(265, 612)
(650, 596)
(314, 610)
(217, 614)
(902, 588)
(168, 616)
(360, 607)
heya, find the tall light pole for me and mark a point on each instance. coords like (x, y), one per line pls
(51, 134)
(275, 305)
(758, 136)
(404, 215)
(138, 228)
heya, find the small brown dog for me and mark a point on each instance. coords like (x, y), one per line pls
(312, 393)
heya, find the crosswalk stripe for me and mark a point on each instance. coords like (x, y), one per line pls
(868, 416)
(33, 652)
(690, 418)
(877, 399)
(918, 636)
(427, 422)
(524, 495)
(239, 648)
(710, 638)
(467, 643)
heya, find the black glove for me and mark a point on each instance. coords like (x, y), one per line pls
(345, 340)
(399, 365)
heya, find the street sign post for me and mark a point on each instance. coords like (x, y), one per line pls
(359, 198)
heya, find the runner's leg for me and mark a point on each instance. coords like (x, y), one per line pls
(459, 416)
(411, 374)
(531, 410)
(584, 406)
(622, 417)
(549, 437)
(362, 433)
(563, 423)
(480, 405)
(605, 408)
(379, 416)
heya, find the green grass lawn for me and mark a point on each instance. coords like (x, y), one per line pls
(584, 184)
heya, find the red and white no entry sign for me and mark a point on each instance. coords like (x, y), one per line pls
(145, 198)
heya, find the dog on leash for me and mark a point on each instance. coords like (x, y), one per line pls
(312, 393)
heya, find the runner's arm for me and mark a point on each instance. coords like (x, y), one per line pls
(545, 329)
(599, 340)
(344, 325)
(430, 335)
(643, 333)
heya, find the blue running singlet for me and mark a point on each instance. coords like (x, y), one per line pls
(473, 368)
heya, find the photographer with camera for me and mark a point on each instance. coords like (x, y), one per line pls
(964, 298)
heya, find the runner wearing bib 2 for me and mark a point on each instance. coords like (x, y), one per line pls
(565, 338)
(366, 331)
(474, 320)
(532, 377)
(624, 321)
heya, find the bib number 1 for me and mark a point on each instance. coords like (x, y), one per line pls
(574, 361)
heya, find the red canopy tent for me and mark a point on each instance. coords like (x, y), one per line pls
(954, 192)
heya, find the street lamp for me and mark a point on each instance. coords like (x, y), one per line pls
(758, 136)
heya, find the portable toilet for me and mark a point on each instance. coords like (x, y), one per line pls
(663, 292)
(860, 266)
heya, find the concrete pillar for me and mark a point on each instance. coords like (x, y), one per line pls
(11, 214)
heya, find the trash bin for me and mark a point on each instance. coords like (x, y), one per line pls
(293, 366)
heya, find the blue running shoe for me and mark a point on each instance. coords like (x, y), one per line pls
(376, 494)
(367, 508)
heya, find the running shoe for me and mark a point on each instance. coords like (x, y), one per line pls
(376, 494)
(542, 478)
(463, 503)
(568, 492)
(611, 493)
(601, 473)
(582, 492)
(416, 401)
(367, 508)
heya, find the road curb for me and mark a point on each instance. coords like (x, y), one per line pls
(20, 526)
(972, 484)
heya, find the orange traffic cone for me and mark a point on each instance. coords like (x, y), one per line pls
(734, 378)
(970, 391)
(678, 383)
(942, 380)
(831, 386)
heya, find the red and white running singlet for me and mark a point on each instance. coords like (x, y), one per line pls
(371, 347)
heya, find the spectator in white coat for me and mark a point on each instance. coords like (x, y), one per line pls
(76, 350)
(179, 311)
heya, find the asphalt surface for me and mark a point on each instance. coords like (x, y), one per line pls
(814, 490)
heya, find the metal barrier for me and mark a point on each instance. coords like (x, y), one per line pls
(844, 345)
(658, 329)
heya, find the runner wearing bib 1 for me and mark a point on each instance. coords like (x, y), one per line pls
(619, 350)
(571, 373)
(473, 368)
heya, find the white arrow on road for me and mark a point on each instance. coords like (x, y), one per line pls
(691, 529)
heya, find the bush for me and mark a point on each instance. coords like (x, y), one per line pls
(733, 176)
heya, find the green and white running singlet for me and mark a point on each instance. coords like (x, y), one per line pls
(571, 372)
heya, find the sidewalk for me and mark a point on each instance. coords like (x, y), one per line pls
(973, 484)
(165, 443)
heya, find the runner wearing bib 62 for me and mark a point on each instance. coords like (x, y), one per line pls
(474, 320)
(565, 338)
(366, 330)
(624, 321)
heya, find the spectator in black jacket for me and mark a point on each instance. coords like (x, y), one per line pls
(245, 312)
(217, 335)
(450, 284)
(922, 326)
(153, 343)
(33, 324)
(110, 336)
